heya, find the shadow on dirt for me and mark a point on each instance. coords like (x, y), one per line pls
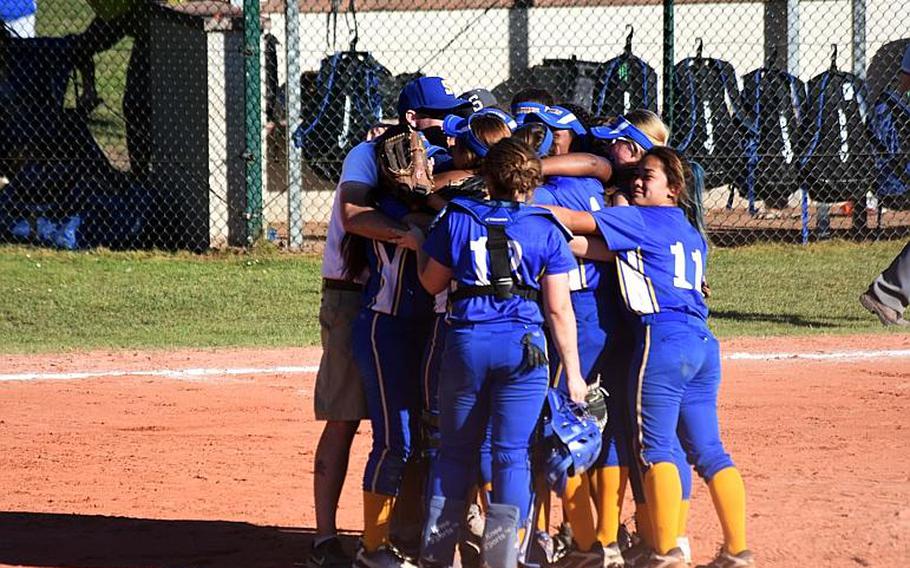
(85, 541)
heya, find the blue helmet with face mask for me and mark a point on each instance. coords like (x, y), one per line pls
(570, 440)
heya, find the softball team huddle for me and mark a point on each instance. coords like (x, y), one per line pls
(559, 264)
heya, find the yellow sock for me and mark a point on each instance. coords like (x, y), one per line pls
(683, 518)
(485, 495)
(377, 512)
(543, 504)
(663, 490)
(577, 506)
(729, 496)
(611, 488)
(643, 524)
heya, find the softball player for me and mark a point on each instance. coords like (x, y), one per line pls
(501, 255)
(594, 320)
(391, 331)
(661, 260)
(624, 141)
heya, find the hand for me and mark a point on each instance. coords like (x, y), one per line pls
(705, 289)
(578, 389)
(412, 239)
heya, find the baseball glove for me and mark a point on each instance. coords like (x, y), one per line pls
(403, 164)
(597, 404)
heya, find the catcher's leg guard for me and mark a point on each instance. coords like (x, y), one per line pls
(440, 535)
(500, 536)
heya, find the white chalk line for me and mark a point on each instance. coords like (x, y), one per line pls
(198, 374)
(212, 374)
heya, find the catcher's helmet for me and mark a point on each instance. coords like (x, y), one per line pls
(570, 440)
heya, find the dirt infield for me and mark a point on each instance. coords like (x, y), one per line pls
(214, 468)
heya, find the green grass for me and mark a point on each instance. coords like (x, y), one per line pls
(789, 289)
(54, 301)
(71, 301)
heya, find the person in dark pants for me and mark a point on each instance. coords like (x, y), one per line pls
(889, 294)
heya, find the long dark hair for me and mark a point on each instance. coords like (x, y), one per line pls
(680, 177)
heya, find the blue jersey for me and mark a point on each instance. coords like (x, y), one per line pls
(661, 259)
(393, 287)
(538, 245)
(580, 194)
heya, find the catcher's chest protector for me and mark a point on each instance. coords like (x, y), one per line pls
(625, 83)
(837, 156)
(708, 123)
(775, 103)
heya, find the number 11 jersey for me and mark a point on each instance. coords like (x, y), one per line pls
(660, 260)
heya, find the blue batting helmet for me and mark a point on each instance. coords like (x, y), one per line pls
(571, 440)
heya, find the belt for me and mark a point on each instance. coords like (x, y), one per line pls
(673, 316)
(346, 285)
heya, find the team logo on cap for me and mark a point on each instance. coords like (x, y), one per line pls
(446, 88)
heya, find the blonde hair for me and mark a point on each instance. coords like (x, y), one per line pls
(651, 124)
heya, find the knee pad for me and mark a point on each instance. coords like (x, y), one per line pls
(441, 532)
(500, 536)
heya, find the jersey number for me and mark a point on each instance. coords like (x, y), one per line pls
(679, 267)
(479, 253)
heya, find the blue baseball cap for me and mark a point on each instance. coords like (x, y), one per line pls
(622, 129)
(428, 93)
(520, 110)
(460, 128)
(557, 118)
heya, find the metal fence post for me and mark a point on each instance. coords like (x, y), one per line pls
(669, 46)
(518, 36)
(253, 106)
(859, 38)
(292, 94)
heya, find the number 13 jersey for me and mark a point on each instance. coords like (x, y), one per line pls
(660, 260)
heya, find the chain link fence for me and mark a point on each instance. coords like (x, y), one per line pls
(136, 124)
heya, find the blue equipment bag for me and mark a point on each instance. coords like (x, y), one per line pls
(837, 154)
(624, 83)
(889, 127)
(348, 100)
(775, 103)
(708, 122)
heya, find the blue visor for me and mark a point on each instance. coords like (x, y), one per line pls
(521, 110)
(622, 129)
(460, 128)
(557, 118)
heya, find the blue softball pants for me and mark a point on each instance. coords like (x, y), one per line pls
(484, 381)
(617, 436)
(388, 351)
(674, 396)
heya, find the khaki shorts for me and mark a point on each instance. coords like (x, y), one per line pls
(339, 389)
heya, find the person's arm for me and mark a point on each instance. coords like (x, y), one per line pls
(360, 218)
(579, 222)
(434, 277)
(591, 248)
(561, 321)
(578, 164)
